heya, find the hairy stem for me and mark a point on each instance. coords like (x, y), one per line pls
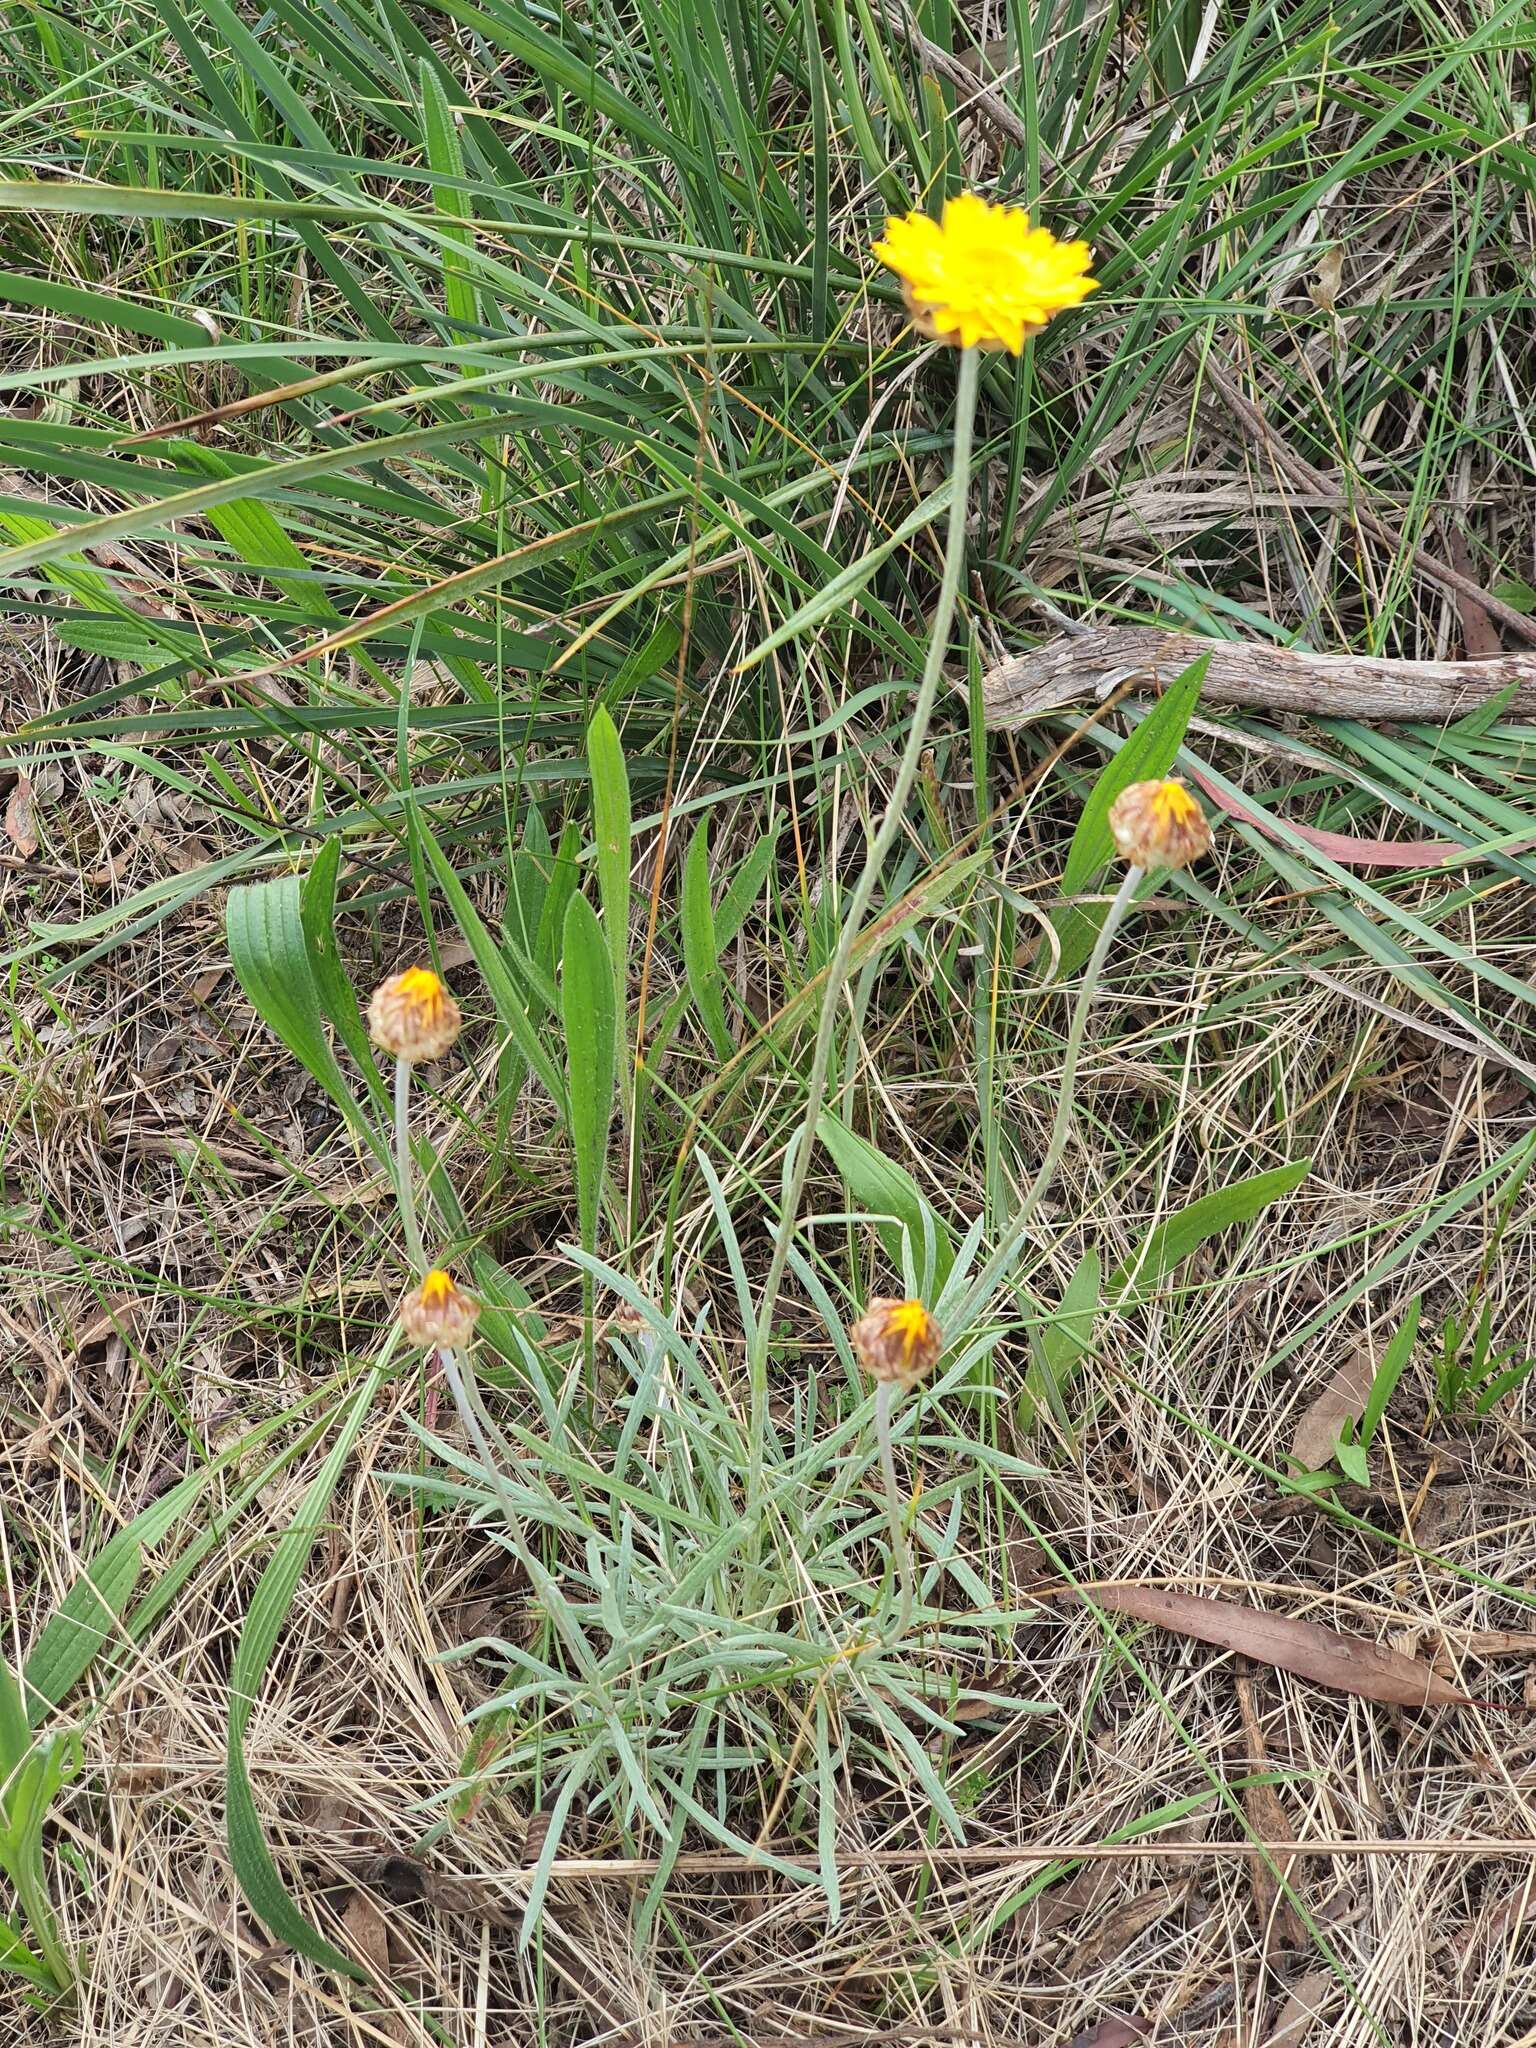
(405, 1168)
(985, 1284)
(901, 1549)
(863, 890)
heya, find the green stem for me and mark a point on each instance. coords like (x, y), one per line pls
(405, 1167)
(981, 1290)
(37, 1910)
(901, 1549)
(863, 890)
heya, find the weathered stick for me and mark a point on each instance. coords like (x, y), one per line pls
(1090, 664)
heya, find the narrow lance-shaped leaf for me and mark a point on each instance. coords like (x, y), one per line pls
(611, 828)
(1176, 1236)
(258, 1875)
(1350, 1664)
(1149, 752)
(586, 1002)
(701, 946)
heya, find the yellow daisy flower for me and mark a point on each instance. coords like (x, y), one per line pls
(896, 1340)
(1158, 825)
(413, 1017)
(438, 1313)
(983, 277)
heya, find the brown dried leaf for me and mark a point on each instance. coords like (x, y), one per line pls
(1480, 637)
(1342, 1399)
(1304, 2006)
(1123, 1926)
(1501, 1920)
(1115, 2033)
(367, 1934)
(119, 1318)
(1306, 1648)
(1324, 292)
(21, 817)
(1268, 1819)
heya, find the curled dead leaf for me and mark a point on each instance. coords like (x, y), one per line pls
(1341, 1400)
(21, 817)
(1324, 289)
(1114, 2033)
(1303, 2009)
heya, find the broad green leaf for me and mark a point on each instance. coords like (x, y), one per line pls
(1149, 753)
(1172, 1240)
(269, 949)
(1060, 1344)
(586, 1004)
(338, 998)
(743, 888)
(95, 1613)
(885, 1189)
(611, 828)
(90, 1614)
(564, 874)
(701, 945)
(251, 1859)
(16, 1957)
(15, 1733)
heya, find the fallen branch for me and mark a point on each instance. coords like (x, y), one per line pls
(1090, 664)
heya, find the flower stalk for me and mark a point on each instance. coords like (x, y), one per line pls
(901, 1547)
(898, 1343)
(863, 890)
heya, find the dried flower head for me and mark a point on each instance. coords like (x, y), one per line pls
(1158, 825)
(438, 1313)
(413, 1017)
(983, 277)
(896, 1340)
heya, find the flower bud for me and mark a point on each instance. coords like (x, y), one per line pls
(896, 1340)
(438, 1315)
(1158, 825)
(413, 1017)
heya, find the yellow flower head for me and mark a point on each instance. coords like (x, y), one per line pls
(437, 1314)
(896, 1340)
(1158, 825)
(413, 1017)
(983, 277)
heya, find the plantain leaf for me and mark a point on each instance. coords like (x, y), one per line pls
(889, 1192)
(270, 952)
(611, 826)
(1059, 1346)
